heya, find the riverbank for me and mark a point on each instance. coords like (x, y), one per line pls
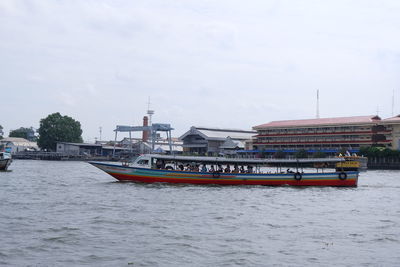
(61, 156)
(383, 163)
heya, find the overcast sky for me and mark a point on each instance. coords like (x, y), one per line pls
(227, 64)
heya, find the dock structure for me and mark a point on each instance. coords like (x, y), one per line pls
(147, 130)
(39, 155)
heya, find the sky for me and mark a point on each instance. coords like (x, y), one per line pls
(220, 63)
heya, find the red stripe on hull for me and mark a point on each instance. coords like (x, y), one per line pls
(219, 181)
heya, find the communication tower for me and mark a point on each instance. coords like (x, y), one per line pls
(150, 112)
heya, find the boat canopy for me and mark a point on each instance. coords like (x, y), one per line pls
(222, 160)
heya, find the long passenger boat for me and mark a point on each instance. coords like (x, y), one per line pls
(217, 170)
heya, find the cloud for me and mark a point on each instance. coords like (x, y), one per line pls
(67, 99)
(218, 63)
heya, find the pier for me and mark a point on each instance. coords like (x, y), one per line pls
(384, 163)
(41, 155)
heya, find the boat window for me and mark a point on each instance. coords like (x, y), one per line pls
(143, 162)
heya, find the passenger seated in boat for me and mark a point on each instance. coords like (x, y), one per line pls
(249, 169)
(188, 167)
(220, 168)
(241, 169)
(212, 169)
(196, 168)
(235, 169)
(228, 168)
(204, 168)
(158, 164)
(181, 167)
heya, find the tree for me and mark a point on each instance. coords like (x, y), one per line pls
(27, 133)
(57, 128)
(379, 152)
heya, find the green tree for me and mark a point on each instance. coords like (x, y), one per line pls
(27, 133)
(378, 152)
(389, 153)
(57, 128)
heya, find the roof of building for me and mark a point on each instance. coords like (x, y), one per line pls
(163, 148)
(394, 119)
(18, 141)
(323, 121)
(219, 134)
(161, 145)
(80, 144)
(112, 148)
(231, 144)
(14, 139)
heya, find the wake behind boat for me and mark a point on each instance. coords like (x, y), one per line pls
(154, 168)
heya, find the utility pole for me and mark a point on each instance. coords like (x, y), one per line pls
(150, 112)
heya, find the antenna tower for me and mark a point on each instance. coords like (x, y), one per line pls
(100, 131)
(149, 112)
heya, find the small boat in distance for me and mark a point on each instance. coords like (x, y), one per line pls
(5, 160)
(154, 168)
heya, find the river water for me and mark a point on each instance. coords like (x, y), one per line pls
(72, 214)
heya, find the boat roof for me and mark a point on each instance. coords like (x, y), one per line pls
(222, 160)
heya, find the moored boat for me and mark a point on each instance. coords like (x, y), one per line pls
(5, 160)
(170, 169)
